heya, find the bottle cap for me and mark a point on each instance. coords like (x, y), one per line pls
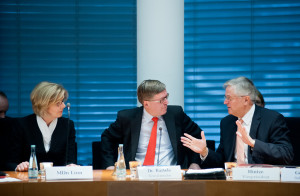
(32, 146)
(121, 145)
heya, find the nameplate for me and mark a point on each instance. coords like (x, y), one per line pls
(257, 174)
(67, 173)
(290, 174)
(159, 173)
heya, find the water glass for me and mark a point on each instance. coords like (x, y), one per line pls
(133, 168)
(43, 166)
(228, 168)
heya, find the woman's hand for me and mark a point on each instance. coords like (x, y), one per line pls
(22, 167)
(72, 165)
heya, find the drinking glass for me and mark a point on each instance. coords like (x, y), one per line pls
(133, 168)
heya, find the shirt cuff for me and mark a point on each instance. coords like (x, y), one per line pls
(204, 157)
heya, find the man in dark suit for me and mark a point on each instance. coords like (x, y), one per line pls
(4, 105)
(5, 131)
(5, 146)
(249, 134)
(133, 128)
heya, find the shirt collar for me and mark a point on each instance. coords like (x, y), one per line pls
(41, 121)
(247, 118)
(148, 117)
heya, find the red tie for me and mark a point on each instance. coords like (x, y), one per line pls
(240, 150)
(150, 155)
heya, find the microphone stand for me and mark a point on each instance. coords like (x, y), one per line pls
(160, 129)
(68, 127)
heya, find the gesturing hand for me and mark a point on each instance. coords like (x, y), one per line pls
(196, 145)
(241, 132)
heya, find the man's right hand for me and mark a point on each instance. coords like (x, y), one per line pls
(196, 145)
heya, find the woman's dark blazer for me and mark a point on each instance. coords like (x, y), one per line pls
(26, 132)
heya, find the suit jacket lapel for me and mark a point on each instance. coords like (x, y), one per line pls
(232, 130)
(255, 122)
(37, 134)
(135, 127)
(57, 135)
(171, 131)
(253, 130)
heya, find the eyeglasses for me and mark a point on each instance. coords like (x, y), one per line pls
(58, 104)
(162, 100)
(228, 98)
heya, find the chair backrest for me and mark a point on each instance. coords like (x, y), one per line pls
(97, 155)
(211, 144)
(293, 124)
(76, 153)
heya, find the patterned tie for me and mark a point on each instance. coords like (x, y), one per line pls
(240, 150)
(150, 155)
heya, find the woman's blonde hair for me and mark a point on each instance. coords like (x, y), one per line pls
(44, 94)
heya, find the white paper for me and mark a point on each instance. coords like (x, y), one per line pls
(204, 171)
(9, 179)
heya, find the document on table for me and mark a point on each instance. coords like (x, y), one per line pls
(204, 171)
(209, 174)
(9, 179)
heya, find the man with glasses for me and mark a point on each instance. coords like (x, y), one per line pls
(249, 134)
(156, 122)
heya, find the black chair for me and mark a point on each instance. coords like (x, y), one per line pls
(97, 156)
(211, 144)
(76, 153)
(5, 139)
(293, 124)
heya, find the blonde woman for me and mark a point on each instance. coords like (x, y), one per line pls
(46, 128)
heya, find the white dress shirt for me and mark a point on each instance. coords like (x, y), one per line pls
(247, 124)
(46, 131)
(163, 144)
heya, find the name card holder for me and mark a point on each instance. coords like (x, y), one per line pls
(69, 173)
(256, 174)
(159, 173)
(290, 174)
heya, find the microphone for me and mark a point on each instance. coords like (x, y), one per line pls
(160, 129)
(68, 131)
(68, 106)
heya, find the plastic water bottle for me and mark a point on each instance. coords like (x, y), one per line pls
(121, 166)
(33, 165)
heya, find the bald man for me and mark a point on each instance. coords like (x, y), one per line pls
(3, 104)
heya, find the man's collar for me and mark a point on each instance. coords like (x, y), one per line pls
(247, 118)
(147, 116)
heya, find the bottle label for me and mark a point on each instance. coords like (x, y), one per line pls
(121, 173)
(32, 173)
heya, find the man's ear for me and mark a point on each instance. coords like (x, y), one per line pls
(145, 104)
(247, 98)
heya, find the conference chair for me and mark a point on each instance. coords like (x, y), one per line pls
(211, 144)
(293, 124)
(5, 138)
(97, 156)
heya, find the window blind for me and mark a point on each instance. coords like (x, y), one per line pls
(88, 46)
(226, 39)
